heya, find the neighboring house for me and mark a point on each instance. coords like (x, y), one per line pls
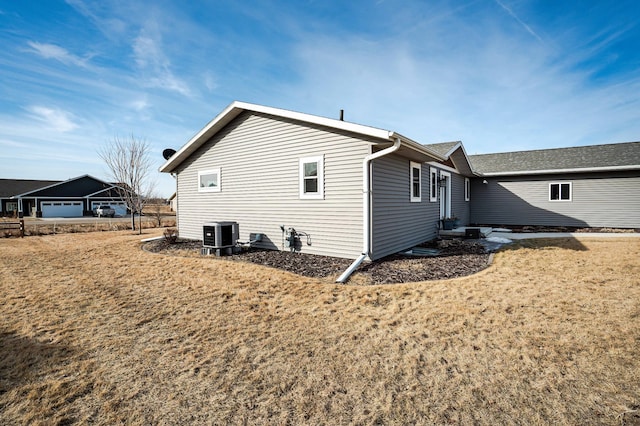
(75, 197)
(173, 202)
(347, 189)
(588, 186)
(11, 187)
(355, 191)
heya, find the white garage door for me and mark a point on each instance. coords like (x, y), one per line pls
(62, 209)
(119, 206)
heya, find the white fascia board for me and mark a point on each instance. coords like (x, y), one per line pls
(409, 143)
(455, 147)
(103, 190)
(212, 127)
(443, 167)
(464, 152)
(322, 121)
(560, 171)
(235, 108)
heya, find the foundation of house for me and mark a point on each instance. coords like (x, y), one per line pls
(461, 232)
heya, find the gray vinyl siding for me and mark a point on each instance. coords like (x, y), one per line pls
(459, 207)
(598, 200)
(398, 223)
(258, 156)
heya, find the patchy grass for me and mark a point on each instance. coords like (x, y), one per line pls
(34, 227)
(95, 330)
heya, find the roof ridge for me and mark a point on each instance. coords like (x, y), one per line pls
(555, 149)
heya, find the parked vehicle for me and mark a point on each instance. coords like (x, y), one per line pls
(105, 211)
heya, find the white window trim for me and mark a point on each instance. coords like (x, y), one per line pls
(312, 195)
(560, 191)
(210, 172)
(467, 189)
(418, 166)
(433, 180)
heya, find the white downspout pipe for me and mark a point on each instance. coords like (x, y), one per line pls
(366, 208)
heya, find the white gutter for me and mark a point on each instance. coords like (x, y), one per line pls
(366, 208)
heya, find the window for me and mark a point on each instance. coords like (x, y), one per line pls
(209, 180)
(467, 189)
(416, 182)
(312, 177)
(560, 191)
(12, 206)
(433, 184)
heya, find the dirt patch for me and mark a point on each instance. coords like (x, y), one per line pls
(457, 258)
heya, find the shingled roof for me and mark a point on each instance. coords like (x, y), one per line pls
(442, 148)
(617, 156)
(11, 187)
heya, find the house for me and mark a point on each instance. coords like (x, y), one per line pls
(587, 186)
(173, 202)
(11, 187)
(74, 197)
(348, 190)
(356, 191)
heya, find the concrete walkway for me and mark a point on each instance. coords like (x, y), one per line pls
(577, 235)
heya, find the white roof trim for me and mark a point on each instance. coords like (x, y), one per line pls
(103, 190)
(235, 108)
(558, 171)
(453, 149)
(443, 167)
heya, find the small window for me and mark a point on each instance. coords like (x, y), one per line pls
(416, 182)
(560, 191)
(433, 184)
(467, 189)
(12, 207)
(312, 177)
(209, 180)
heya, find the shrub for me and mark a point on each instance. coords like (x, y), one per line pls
(171, 235)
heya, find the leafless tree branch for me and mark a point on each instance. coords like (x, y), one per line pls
(129, 166)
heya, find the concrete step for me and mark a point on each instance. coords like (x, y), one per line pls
(461, 231)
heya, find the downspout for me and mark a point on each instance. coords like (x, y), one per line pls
(366, 208)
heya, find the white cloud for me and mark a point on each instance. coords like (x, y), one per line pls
(518, 20)
(210, 82)
(54, 118)
(110, 27)
(480, 83)
(52, 51)
(140, 104)
(155, 66)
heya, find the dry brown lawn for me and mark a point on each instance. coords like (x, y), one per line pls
(95, 330)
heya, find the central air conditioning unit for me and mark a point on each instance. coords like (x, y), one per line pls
(219, 236)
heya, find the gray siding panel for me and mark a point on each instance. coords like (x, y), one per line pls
(598, 200)
(459, 207)
(398, 223)
(258, 157)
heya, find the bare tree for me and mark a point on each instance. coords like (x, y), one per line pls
(129, 167)
(157, 207)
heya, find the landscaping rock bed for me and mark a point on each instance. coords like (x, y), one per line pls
(457, 258)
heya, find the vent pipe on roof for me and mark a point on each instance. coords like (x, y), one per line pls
(341, 115)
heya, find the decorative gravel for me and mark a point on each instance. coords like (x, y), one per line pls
(457, 258)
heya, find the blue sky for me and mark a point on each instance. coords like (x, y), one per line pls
(500, 75)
